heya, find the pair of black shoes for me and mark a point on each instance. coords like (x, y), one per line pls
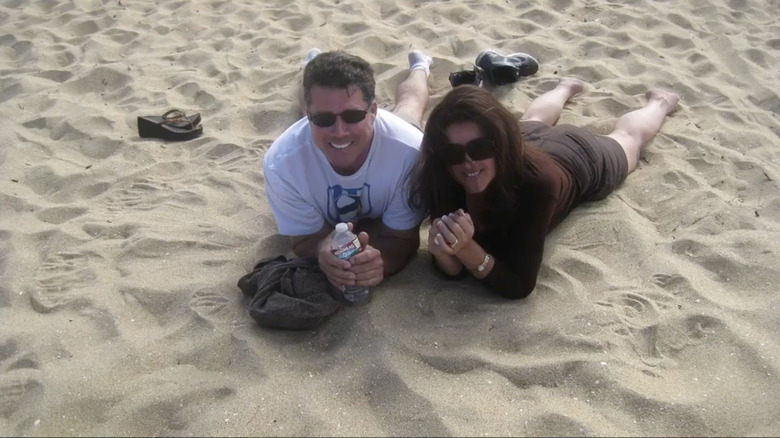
(173, 125)
(495, 69)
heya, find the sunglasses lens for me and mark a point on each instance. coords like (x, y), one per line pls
(453, 154)
(323, 120)
(353, 116)
(477, 149)
(480, 149)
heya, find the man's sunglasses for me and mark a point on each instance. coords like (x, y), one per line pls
(478, 149)
(325, 120)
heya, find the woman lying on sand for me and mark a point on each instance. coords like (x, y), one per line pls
(494, 187)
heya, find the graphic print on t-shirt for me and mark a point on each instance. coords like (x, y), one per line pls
(346, 205)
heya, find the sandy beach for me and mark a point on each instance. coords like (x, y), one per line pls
(657, 310)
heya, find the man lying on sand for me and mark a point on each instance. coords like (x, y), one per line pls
(348, 161)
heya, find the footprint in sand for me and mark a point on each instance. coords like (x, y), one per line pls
(152, 191)
(640, 319)
(680, 180)
(59, 279)
(213, 306)
(142, 194)
(672, 282)
(60, 215)
(21, 389)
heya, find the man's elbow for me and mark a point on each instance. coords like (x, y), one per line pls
(297, 252)
(401, 258)
(303, 248)
(392, 267)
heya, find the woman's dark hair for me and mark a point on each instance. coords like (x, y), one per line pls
(432, 187)
(339, 70)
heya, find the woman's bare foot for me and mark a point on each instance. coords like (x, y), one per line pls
(574, 85)
(667, 99)
(547, 107)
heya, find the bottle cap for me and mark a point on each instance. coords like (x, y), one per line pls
(341, 227)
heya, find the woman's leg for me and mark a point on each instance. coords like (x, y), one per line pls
(635, 129)
(547, 107)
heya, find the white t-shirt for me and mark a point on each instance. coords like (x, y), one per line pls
(304, 191)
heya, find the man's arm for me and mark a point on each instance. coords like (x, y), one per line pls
(308, 245)
(397, 247)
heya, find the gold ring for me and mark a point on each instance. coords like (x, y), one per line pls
(454, 243)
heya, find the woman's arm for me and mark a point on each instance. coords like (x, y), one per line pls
(514, 275)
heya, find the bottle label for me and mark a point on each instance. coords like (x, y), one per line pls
(348, 250)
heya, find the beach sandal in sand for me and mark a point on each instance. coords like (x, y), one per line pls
(500, 69)
(173, 125)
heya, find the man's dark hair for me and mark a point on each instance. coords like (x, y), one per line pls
(338, 70)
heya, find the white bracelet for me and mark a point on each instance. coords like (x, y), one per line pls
(484, 263)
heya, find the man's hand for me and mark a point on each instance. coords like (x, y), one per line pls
(367, 266)
(336, 270)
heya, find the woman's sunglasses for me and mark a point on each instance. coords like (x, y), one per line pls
(325, 120)
(478, 149)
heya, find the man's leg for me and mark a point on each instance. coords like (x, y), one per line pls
(635, 129)
(412, 94)
(547, 107)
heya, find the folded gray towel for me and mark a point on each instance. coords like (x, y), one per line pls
(290, 294)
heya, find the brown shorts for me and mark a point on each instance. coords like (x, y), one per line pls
(597, 162)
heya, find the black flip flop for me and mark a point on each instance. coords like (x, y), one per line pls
(174, 125)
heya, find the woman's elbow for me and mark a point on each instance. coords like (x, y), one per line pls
(518, 292)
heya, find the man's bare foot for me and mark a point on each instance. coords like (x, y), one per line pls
(667, 99)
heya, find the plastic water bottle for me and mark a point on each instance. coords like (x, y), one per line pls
(344, 245)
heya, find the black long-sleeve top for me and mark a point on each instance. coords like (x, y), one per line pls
(516, 239)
